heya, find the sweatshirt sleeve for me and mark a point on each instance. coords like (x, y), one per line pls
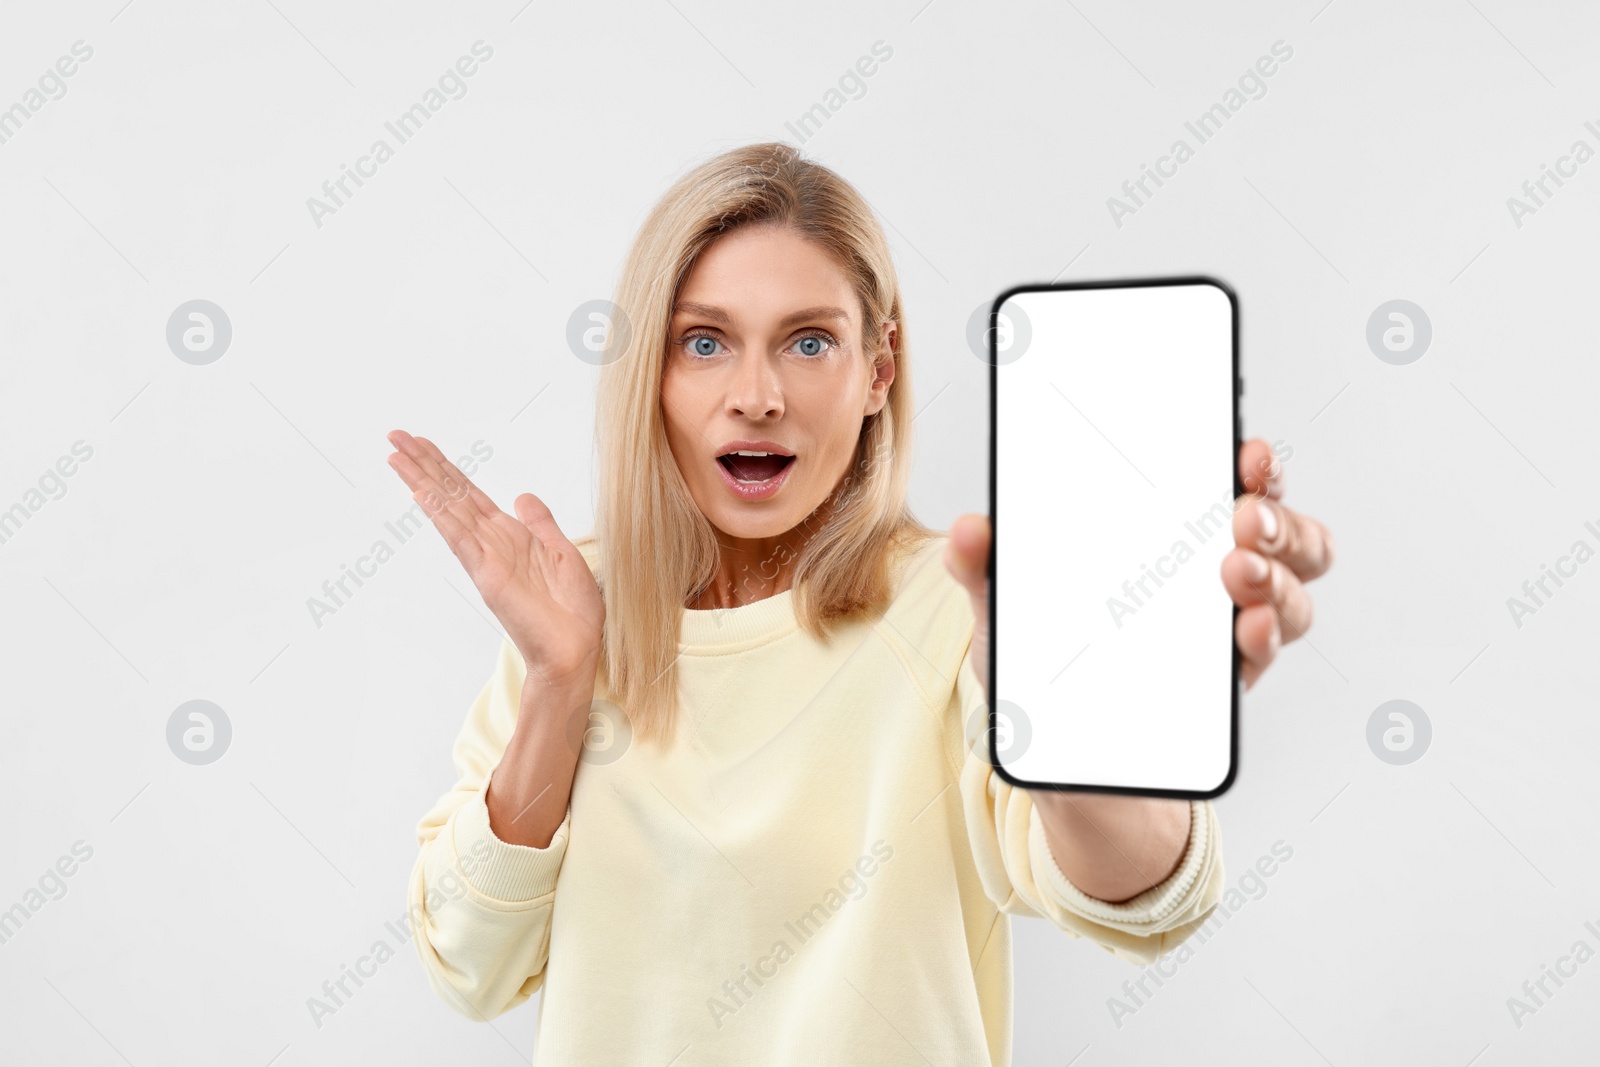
(479, 906)
(1021, 877)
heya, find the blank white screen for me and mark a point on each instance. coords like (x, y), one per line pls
(1114, 464)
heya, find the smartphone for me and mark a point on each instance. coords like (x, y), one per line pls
(1113, 471)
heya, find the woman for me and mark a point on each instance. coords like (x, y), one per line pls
(790, 847)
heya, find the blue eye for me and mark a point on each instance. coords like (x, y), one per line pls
(699, 345)
(812, 344)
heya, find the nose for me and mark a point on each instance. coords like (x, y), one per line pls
(755, 390)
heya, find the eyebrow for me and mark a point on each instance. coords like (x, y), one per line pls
(716, 314)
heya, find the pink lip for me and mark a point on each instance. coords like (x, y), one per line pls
(756, 490)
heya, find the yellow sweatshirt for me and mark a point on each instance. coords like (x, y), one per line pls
(820, 869)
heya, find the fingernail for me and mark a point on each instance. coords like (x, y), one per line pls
(1269, 520)
(1257, 567)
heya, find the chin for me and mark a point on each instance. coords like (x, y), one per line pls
(755, 520)
(743, 523)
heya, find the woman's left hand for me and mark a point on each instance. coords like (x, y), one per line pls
(1114, 847)
(1276, 552)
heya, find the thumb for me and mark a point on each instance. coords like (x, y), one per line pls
(967, 554)
(535, 515)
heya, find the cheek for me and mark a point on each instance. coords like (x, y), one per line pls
(689, 397)
(678, 404)
(670, 389)
(841, 425)
(672, 417)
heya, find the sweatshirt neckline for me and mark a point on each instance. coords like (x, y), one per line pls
(744, 626)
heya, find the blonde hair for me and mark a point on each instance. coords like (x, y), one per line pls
(656, 550)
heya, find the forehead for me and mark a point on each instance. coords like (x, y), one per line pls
(765, 272)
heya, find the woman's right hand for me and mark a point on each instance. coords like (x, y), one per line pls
(534, 580)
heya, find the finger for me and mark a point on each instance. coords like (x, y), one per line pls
(457, 520)
(423, 481)
(403, 449)
(1299, 541)
(409, 472)
(462, 541)
(1252, 579)
(967, 557)
(404, 442)
(1256, 634)
(457, 483)
(415, 464)
(1259, 469)
(447, 480)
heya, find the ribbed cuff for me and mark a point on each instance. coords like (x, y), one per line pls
(499, 869)
(1150, 906)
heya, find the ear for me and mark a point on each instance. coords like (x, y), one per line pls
(883, 372)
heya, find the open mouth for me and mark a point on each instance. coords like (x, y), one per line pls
(753, 468)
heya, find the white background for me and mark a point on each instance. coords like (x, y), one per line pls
(1376, 167)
